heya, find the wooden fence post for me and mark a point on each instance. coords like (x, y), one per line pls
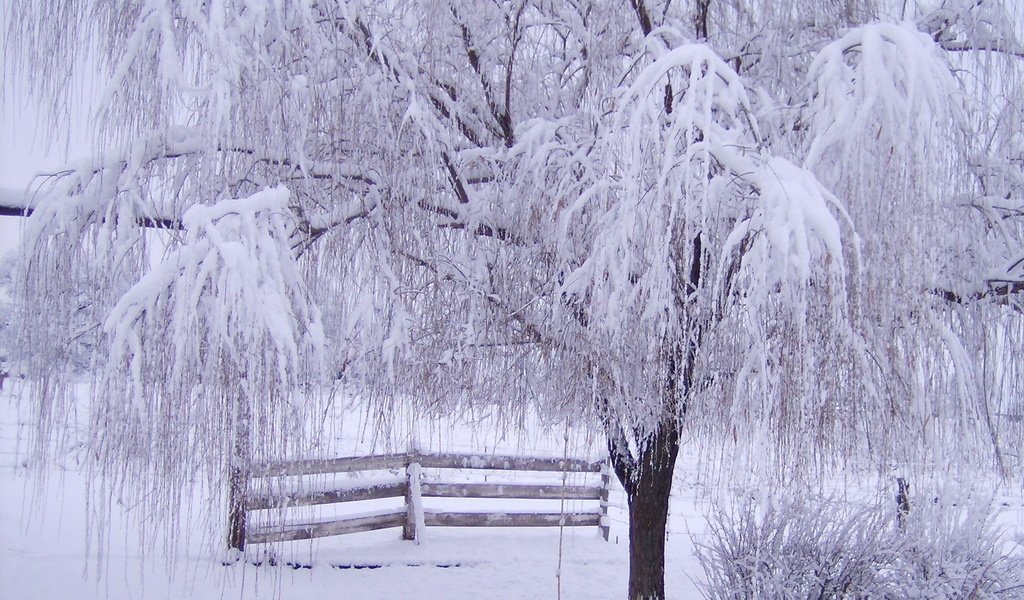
(414, 518)
(606, 483)
(237, 483)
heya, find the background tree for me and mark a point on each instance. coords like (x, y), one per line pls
(794, 224)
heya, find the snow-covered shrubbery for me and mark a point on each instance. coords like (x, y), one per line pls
(815, 548)
(955, 552)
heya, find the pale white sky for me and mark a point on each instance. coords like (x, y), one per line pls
(21, 154)
(20, 157)
(24, 147)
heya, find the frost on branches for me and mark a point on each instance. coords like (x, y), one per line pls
(218, 344)
(215, 344)
(693, 221)
(789, 231)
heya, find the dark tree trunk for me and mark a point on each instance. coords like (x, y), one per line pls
(647, 480)
(646, 469)
(238, 476)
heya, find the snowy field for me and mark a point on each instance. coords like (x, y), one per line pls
(43, 548)
(44, 553)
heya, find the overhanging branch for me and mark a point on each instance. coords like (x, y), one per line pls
(989, 47)
(150, 222)
(1005, 292)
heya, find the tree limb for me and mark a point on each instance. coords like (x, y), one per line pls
(642, 16)
(952, 46)
(999, 291)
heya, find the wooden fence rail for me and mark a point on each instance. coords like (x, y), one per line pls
(427, 461)
(410, 487)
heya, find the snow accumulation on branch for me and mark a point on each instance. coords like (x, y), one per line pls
(94, 190)
(233, 284)
(685, 126)
(217, 340)
(973, 27)
(82, 192)
(880, 75)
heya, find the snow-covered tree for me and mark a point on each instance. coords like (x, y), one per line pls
(785, 225)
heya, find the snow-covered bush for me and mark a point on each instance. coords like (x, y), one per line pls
(792, 549)
(817, 548)
(954, 552)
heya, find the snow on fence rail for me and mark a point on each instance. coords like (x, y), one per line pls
(413, 517)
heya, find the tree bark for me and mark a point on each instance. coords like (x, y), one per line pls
(647, 480)
(238, 477)
(646, 469)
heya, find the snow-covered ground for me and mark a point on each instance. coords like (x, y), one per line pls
(44, 551)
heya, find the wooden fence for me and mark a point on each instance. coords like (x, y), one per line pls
(412, 488)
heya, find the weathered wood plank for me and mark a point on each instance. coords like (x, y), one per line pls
(434, 461)
(508, 490)
(497, 519)
(369, 492)
(332, 465)
(507, 463)
(307, 531)
(392, 489)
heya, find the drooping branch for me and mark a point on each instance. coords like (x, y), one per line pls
(533, 332)
(953, 29)
(178, 143)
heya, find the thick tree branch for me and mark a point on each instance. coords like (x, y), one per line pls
(700, 19)
(622, 460)
(374, 52)
(1005, 292)
(998, 48)
(453, 175)
(150, 222)
(482, 229)
(500, 116)
(642, 16)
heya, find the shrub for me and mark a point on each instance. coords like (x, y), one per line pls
(796, 548)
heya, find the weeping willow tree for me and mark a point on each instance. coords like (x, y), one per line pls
(785, 226)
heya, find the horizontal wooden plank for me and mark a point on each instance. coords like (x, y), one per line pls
(331, 465)
(497, 519)
(507, 490)
(369, 492)
(506, 463)
(433, 461)
(307, 531)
